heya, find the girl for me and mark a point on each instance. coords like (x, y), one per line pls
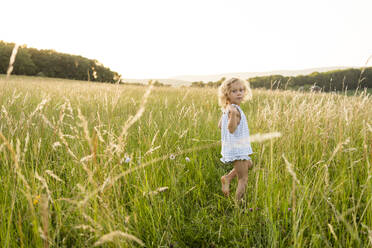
(235, 143)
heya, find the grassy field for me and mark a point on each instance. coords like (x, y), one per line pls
(78, 171)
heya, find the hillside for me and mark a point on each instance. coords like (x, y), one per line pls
(170, 81)
(188, 79)
(50, 63)
(246, 75)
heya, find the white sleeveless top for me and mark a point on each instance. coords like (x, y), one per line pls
(235, 146)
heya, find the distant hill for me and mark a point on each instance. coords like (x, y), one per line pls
(246, 75)
(329, 80)
(170, 81)
(188, 79)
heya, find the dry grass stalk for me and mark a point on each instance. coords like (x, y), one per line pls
(338, 147)
(84, 124)
(341, 217)
(2, 146)
(14, 157)
(157, 191)
(61, 136)
(86, 158)
(44, 209)
(45, 119)
(56, 145)
(263, 137)
(294, 181)
(88, 171)
(369, 233)
(154, 138)
(45, 185)
(50, 173)
(20, 175)
(326, 176)
(92, 222)
(39, 107)
(332, 231)
(85, 228)
(25, 148)
(369, 128)
(117, 234)
(11, 60)
(99, 135)
(152, 149)
(6, 116)
(18, 150)
(132, 119)
(290, 170)
(363, 69)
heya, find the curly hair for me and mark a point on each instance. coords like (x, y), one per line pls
(225, 88)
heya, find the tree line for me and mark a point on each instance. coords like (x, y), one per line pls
(49, 63)
(336, 80)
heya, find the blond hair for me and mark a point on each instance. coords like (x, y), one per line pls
(225, 88)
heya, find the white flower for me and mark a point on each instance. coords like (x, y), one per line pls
(187, 159)
(126, 159)
(172, 157)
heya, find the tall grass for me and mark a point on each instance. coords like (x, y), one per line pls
(78, 171)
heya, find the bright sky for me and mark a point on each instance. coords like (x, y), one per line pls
(166, 38)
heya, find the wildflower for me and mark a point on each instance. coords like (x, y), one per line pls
(172, 157)
(187, 159)
(251, 209)
(36, 200)
(126, 159)
(289, 209)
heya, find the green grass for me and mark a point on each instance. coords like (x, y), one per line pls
(64, 181)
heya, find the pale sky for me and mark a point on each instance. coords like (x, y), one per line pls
(166, 38)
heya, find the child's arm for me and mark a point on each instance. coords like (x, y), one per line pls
(234, 119)
(219, 123)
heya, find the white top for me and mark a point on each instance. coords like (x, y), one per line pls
(235, 146)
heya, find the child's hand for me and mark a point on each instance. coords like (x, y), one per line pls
(232, 109)
(234, 118)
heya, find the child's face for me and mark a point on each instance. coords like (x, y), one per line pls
(236, 94)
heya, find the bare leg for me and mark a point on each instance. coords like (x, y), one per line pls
(225, 181)
(241, 167)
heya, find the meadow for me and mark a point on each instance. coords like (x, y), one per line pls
(93, 164)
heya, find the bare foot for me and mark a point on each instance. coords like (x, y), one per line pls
(225, 186)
